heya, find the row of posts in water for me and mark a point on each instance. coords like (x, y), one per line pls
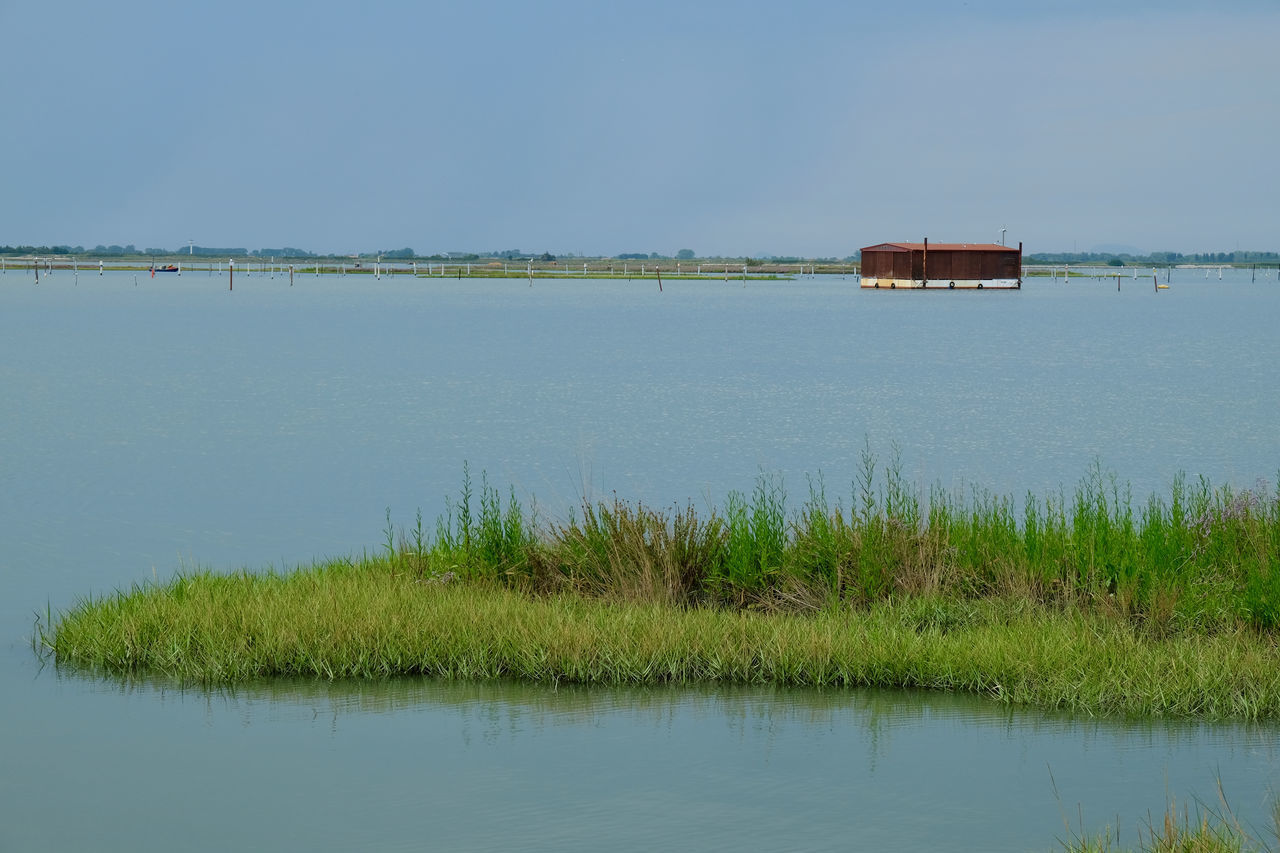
(1100, 274)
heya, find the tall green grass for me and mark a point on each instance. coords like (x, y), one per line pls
(476, 536)
(1204, 559)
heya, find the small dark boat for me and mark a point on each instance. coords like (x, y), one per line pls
(169, 268)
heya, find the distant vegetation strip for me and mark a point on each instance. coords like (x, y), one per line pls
(407, 255)
(427, 271)
(1082, 603)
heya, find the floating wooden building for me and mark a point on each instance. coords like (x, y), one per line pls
(969, 266)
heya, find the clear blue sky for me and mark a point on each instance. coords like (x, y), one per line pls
(801, 128)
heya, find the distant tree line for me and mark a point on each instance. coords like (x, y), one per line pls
(682, 255)
(792, 259)
(1154, 258)
(405, 254)
(51, 250)
(285, 252)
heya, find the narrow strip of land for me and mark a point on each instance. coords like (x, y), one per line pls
(362, 620)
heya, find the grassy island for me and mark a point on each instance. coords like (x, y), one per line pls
(1081, 603)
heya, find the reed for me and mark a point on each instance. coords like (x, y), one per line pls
(1207, 830)
(1206, 559)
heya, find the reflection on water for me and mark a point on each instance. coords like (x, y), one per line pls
(724, 767)
(494, 710)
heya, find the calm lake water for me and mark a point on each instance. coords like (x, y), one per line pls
(170, 423)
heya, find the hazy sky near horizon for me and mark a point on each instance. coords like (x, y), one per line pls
(743, 128)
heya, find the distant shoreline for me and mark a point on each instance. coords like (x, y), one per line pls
(597, 268)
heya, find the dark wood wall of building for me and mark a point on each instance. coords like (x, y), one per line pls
(945, 262)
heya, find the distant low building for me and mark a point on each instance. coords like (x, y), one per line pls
(969, 266)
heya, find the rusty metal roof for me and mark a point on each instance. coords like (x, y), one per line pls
(941, 247)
